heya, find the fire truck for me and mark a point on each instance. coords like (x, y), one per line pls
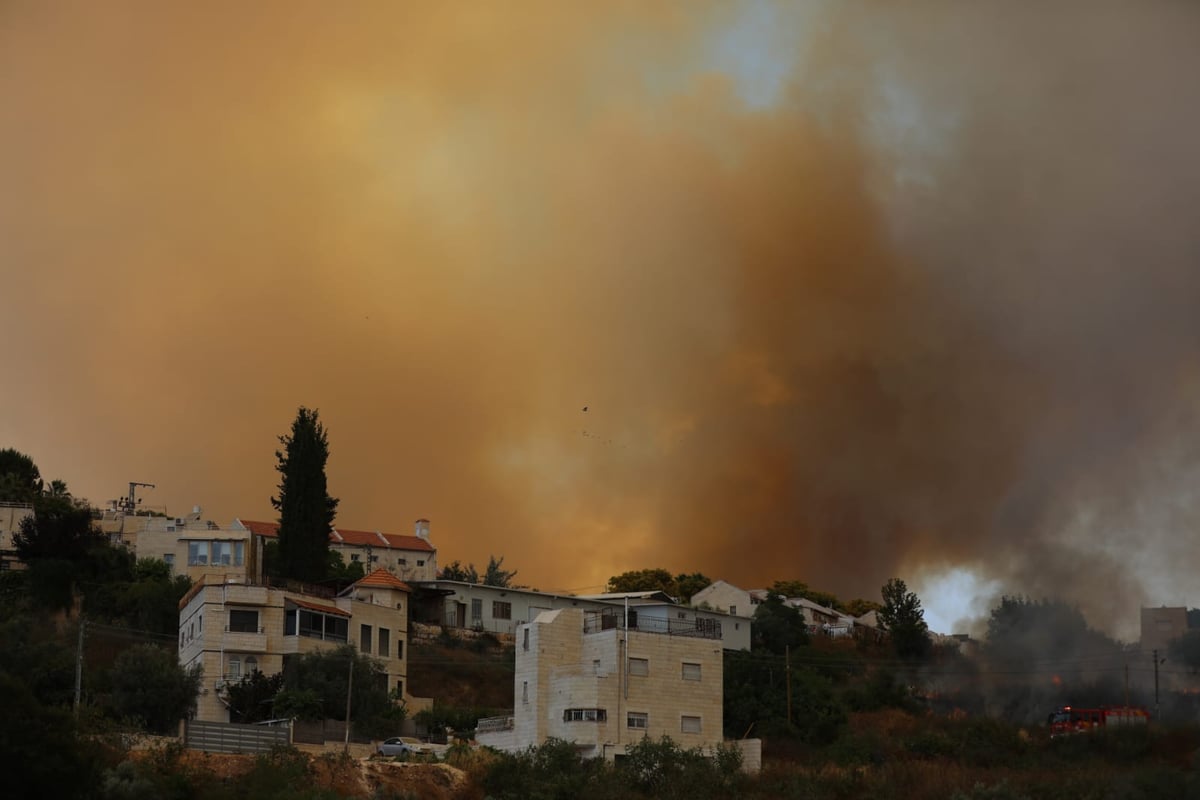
(1068, 719)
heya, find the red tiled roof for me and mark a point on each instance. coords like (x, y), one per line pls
(391, 541)
(399, 542)
(318, 607)
(261, 528)
(383, 579)
(359, 538)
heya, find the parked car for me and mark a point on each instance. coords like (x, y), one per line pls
(404, 746)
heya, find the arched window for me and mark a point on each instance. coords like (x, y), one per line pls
(251, 665)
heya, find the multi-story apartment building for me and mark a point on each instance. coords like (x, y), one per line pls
(237, 626)
(589, 678)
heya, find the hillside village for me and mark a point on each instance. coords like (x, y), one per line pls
(395, 644)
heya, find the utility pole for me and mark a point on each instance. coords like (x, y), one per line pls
(787, 659)
(1156, 706)
(79, 664)
(349, 691)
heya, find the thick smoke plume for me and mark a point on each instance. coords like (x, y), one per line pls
(848, 292)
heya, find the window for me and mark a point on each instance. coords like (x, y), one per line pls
(181, 640)
(733, 611)
(235, 669)
(420, 563)
(681, 615)
(200, 620)
(239, 553)
(501, 609)
(243, 620)
(222, 553)
(689, 724)
(476, 611)
(639, 667)
(197, 553)
(251, 665)
(385, 642)
(524, 691)
(585, 715)
(169, 558)
(374, 559)
(400, 688)
(289, 622)
(399, 648)
(316, 626)
(525, 639)
(354, 556)
(691, 672)
(596, 666)
(365, 639)
(638, 719)
(403, 561)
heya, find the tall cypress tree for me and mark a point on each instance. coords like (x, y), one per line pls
(306, 510)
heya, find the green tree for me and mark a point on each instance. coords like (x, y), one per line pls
(252, 698)
(324, 676)
(858, 606)
(642, 580)
(687, 585)
(778, 626)
(342, 573)
(495, 575)
(904, 619)
(55, 543)
(40, 752)
(150, 684)
(20, 479)
(756, 693)
(455, 571)
(306, 510)
(792, 588)
(681, 586)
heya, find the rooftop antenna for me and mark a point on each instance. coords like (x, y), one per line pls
(130, 503)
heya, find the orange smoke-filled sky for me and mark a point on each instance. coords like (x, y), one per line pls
(848, 291)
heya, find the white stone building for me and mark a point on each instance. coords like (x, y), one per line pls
(586, 678)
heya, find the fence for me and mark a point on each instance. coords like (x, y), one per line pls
(232, 737)
(322, 731)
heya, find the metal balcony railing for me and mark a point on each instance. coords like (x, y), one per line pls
(699, 627)
(494, 724)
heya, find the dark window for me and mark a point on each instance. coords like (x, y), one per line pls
(399, 648)
(385, 642)
(501, 609)
(289, 622)
(243, 621)
(365, 639)
(585, 715)
(420, 563)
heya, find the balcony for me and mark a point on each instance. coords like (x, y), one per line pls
(243, 594)
(494, 724)
(245, 641)
(699, 627)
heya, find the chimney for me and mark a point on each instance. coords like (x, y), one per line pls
(422, 529)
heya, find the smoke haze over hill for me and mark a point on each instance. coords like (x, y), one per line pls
(848, 292)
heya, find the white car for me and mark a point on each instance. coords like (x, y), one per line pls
(404, 746)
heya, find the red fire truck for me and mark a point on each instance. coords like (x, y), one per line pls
(1068, 719)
